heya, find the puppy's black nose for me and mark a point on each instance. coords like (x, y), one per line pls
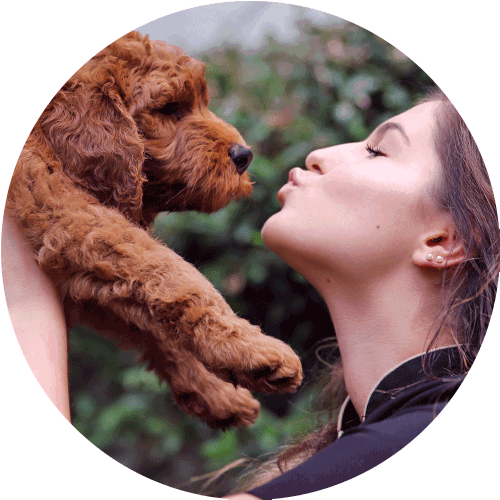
(241, 157)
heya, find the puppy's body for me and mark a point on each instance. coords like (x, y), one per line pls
(128, 136)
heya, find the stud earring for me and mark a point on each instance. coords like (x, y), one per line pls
(429, 256)
(439, 259)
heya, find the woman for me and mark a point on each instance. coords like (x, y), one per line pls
(399, 234)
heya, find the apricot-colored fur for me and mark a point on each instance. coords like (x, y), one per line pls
(128, 136)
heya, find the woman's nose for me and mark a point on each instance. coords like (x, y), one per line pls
(323, 160)
(315, 161)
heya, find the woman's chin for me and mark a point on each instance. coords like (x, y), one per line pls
(279, 234)
(271, 233)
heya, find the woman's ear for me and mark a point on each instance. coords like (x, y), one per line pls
(439, 249)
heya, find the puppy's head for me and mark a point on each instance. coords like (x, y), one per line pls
(133, 127)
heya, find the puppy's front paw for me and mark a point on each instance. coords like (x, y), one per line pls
(222, 406)
(247, 357)
(274, 367)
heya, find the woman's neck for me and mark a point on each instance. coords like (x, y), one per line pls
(380, 324)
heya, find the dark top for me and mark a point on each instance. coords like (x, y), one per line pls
(400, 407)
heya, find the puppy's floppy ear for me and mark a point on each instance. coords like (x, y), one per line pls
(97, 141)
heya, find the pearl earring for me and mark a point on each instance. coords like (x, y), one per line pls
(439, 259)
(429, 256)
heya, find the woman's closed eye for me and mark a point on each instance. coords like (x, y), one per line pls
(373, 152)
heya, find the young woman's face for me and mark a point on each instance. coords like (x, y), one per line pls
(360, 207)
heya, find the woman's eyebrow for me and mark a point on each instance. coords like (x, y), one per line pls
(382, 129)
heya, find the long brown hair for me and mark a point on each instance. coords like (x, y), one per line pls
(465, 191)
(469, 289)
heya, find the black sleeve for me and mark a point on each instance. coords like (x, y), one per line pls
(352, 454)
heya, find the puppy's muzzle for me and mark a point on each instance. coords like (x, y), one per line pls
(241, 157)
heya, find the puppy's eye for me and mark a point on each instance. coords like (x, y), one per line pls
(172, 110)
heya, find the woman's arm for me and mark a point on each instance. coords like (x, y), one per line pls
(37, 315)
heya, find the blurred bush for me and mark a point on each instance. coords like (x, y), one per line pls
(331, 86)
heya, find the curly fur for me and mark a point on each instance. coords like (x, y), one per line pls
(130, 135)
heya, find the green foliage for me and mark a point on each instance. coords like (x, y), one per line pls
(334, 85)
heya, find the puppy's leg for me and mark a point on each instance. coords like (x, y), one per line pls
(196, 390)
(95, 253)
(203, 394)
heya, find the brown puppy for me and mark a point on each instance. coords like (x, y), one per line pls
(128, 136)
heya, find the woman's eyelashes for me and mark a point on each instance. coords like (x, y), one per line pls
(374, 151)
